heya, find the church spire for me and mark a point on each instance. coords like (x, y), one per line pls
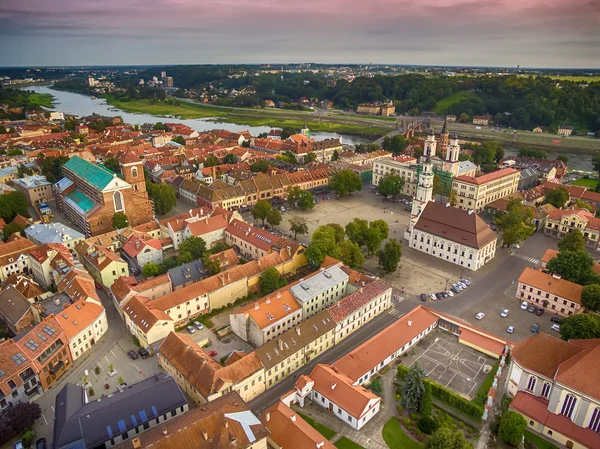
(445, 127)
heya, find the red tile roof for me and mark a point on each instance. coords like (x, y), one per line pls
(489, 177)
(353, 302)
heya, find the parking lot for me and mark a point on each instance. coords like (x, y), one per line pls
(451, 364)
(222, 345)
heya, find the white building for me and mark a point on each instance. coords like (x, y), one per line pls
(41, 233)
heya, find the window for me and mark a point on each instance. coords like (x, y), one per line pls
(546, 390)
(134, 172)
(531, 383)
(118, 200)
(568, 405)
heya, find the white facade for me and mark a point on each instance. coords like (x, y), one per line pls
(425, 182)
(88, 336)
(366, 313)
(356, 422)
(149, 254)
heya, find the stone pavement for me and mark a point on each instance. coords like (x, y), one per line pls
(368, 436)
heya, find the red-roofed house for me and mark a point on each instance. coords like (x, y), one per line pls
(562, 221)
(139, 252)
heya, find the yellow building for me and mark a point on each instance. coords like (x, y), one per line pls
(403, 166)
(474, 193)
(562, 221)
(103, 265)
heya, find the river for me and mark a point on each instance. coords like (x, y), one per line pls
(82, 105)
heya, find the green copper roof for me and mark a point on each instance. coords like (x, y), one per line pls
(96, 175)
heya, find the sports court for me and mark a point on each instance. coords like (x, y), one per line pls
(450, 363)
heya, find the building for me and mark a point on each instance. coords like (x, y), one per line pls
(226, 422)
(550, 292)
(528, 178)
(555, 385)
(103, 265)
(475, 193)
(106, 422)
(321, 290)
(138, 251)
(454, 235)
(90, 194)
(288, 429)
(562, 221)
(146, 323)
(42, 233)
(203, 378)
(297, 347)
(565, 131)
(36, 188)
(482, 119)
(14, 257)
(403, 166)
(47, 346)
(15, 310)
(385, 109)
(19, 382)
(187, 274)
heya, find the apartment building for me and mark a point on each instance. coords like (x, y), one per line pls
(253, 243)
(101, 263)
(549, 291)
(320, 290)
(562, 221)
(36, 188)
(148, 324)
(14, 257)
(15, 310)
(403, 166)
(474, 193)
(42, 233)
(555, 385)
(19, 381)
(138, 251)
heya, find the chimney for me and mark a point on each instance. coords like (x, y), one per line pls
(268, 417)
(57, 301)
(409, 323)
(137, 444)
(226, 423)
(333, 385)
(137, 244)
(298, 330)
(205, 434)
(165, 431)
(280, 344)
(293, 417)
(256, 306)
(190, 212)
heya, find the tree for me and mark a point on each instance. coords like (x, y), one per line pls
(390, 255)
(557, 197)
(413, 388)
(336, 155)
(120, 221)
(516, 223)
(260, 166)
(287, 132)
(213, 266)
(372, 240)
(596, 163)
(261, 210)
(113, 164)
(573, 241)
(464, 118)
(52, 167)
(346, 182)
(512, 428)
(12, 228)
(151, 269)
(298, 225)
(350, 254)
(22, 416)
(211, 161)
(339, 231)
(196, 246)
(178, 139)
(356, 231)
(574, 266)
(426, 402)
(323, 244)
(590, 297)
(562, 157)
(271, 280)
(580, 326)
(184, 257)
(390, 184)
(447, 438)
(163, 196)
(381, 226)
(23, 171)
(230, 159)
(310, 157)
(160, 126)
(533, 152)
(300, 198)
(13, 204)
(274, 217)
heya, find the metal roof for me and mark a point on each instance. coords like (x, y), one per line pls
(319, 283)
(94, 174)
(52, 233)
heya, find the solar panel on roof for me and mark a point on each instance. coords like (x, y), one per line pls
(133, 420)
(109, 431)
(143, 416)
(40, 336)
(154, 410)
(121, 425)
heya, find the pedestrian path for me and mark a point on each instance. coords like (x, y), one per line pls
(394, 312)
(529, 259)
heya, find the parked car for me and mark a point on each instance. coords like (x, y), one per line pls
(41, 443)
(191, 329)
(439, 296)
(98, 286)
(18, 444)
(524, 305)
(555, 319)
(466, 282)
(535, 328)
(531, 308)
(515, 245)
(540, 311)
(449, 293)
(480, 316)
(433, 297)
(510, 329)
(462, 285)
(198, 325)
(423, 297)
(456, 288)
(132, 355)
(555, 327)
(212, 353)
(143, 353)
(504, 313)
(282, 209)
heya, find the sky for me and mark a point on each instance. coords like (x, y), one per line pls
(503, 33)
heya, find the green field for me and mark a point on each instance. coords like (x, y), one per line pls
(42, 100)
(395, 438)
(325, 431)
(444, 104)
(577, 79)
(589, 183)
(345, 443)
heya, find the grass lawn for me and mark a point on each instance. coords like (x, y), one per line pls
(42, 100)
(395, 438)
(577, 79)
(589, 183)
(325, 431)
(444, 104)
(486, 384)
(345, 443)
(538, 441)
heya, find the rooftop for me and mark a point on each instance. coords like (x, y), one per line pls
(319, 283)
(489, 177)
(52, 233)
(554, 285)
(96, 175)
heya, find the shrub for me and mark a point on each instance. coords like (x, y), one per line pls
(27, 438)
(407, 422)
(512, 428)
(400, 409)
(97, 370)
(427, 425)
(454, 400)
(91, 392)
(375, 386)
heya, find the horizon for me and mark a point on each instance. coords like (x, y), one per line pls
(561, 34)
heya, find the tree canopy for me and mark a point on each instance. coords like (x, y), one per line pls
(260, 166)
(574, 266)
(298, 225)
(196, 246)
(590, 297)
(573, 241)
(300, 198)
(274, 217)
(390, 184)
(516, 223)
(120, 221)
(261, 210)
(113, 164)
(389, 256)
(346, 182)
(580, 326)
(271, 280)
(13, 204)
(512, 428)
(447, 438)
(163, 196)
(558, 197)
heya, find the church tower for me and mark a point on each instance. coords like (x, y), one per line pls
(132, 169)
(424, 187)
(453, 149)
(444, 138)
(305, 131)
(430, 144)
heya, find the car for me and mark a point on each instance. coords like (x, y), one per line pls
(132, 355)
(198, 325)
(282, 209)
(515, 245)
(535, 328)
(466, 282)
(555, 327)
(555, 319)
(524, 305)
(439, 296)
(540, 311)
(191, 329)
(41, 443)
(462, 285)
(480, 316)
(531, 308)
(449, 293)
(510, 329)
(98, 286)
(423, 297)
(459, 286)
(18, 444)
(444, 295)
(433, 297)
(504, 313)
(456, 288)
(212, 353)
(143, 353)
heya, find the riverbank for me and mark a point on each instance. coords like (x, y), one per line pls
(256, 117)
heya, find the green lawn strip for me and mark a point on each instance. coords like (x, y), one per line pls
(445, 103)
(325, 431)
(484, 388)
(41, 100)
(184, 110)
(590, 183)
(345, 443)
(540, 442)
(395, 437)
